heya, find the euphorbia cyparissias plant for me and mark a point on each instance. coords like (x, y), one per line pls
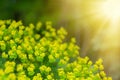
(39, 52)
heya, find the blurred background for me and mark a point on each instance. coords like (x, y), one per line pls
(94, 23)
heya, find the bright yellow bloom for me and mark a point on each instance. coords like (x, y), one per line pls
(19, 67)
(35, 52)
(11, 76)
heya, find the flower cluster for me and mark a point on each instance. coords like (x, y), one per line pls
(37, 52)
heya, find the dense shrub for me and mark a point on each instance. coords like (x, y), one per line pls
(40, 52)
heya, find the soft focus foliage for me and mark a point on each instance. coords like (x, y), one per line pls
(29, 10)
(37, 52)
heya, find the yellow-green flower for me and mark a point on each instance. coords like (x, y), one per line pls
(39, 52)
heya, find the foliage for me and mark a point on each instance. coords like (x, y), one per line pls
(22, 10)
(37, 52)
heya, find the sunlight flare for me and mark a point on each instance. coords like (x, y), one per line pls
(111, 9)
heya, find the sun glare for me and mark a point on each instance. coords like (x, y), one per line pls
(111, 9)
